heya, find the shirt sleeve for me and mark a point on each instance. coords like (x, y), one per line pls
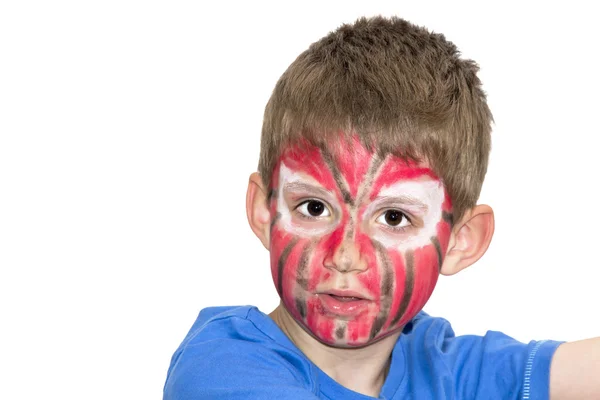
(234, 369)
(492, 366)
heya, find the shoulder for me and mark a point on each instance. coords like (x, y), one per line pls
(490, 366)
(236, 352)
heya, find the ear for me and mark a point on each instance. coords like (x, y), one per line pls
(257, 209)
(469, 240)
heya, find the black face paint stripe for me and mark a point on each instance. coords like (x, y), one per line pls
(272, 195)
(301, 307)
(301, 279)
(281, 264)
(349, 229)
(363, 190)
(438, 250)
(369, 178)
(408, 287)
(274, 221)
(340, 332)
(337, 176)
(387, 286)
(448, 217)
(303, 265)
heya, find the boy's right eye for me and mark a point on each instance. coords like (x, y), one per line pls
(313, 209)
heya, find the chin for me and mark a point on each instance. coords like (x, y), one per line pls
(347, 342)
(337, 331)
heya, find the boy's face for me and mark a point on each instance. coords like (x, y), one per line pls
(356, 241)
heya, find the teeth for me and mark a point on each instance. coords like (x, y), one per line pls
(346, 298)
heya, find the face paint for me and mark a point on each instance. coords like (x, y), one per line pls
(356, 241)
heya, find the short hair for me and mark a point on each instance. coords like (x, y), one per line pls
(400, 88)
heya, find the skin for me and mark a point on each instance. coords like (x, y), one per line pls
(345, 221)
(350, 247)
(363, 369)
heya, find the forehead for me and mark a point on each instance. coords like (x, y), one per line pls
(347, 166)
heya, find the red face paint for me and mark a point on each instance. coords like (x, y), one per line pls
(356, 241)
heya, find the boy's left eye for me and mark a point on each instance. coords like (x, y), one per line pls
(394, 219)
(314, 208)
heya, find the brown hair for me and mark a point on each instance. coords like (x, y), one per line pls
(400, 88)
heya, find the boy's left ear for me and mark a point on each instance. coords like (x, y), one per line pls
(470, 238)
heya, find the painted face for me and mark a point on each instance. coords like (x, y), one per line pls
(356, 241)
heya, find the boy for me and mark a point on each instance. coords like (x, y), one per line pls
(374, 149)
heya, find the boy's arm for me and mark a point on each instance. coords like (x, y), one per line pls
(575, 371)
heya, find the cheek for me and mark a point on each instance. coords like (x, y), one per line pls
(291, 258)
(424, 273)
(297, 267)
(283, 245)
(415, 274)
(401, 287)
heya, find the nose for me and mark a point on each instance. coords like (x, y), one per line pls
(347, 258)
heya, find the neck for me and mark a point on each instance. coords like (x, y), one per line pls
(362, 370)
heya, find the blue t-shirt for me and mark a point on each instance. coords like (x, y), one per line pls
(240, 353)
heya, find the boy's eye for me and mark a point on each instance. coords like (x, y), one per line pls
(313, 208)
(394, 218)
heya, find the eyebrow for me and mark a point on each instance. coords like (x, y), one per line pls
(305, 187)
(404, 200)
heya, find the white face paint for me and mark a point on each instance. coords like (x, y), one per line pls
(423, 199)
(288, 178)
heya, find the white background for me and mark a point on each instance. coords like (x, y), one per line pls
(128, 131)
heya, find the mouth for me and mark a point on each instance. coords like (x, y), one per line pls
(345, 298)
(346, 295)
(343, 303)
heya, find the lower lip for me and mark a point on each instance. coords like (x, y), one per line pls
(345, 308)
